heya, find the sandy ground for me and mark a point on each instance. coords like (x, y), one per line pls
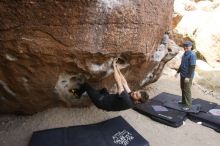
(17, 130)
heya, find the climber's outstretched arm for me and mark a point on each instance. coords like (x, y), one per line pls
(117, 78)
(124, 81)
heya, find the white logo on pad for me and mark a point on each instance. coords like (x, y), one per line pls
(123, 138)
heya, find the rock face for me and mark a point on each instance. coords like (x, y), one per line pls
(200, 24)
(207, 76)
(45, 45)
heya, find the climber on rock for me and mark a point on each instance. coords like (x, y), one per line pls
(122, 100)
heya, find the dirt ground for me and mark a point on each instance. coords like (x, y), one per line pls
(17, 130)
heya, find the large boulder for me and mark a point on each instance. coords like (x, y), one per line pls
(44, 46)
(207, 76)
(200, 24)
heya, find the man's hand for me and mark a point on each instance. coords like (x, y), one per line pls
(176, 75)
(186, 80)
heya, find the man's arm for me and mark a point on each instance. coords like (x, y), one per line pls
(124, 81)
(192, 65)
(191, 70)
(179, 69)
(117, 78)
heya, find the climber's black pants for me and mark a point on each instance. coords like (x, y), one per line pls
(95, 95)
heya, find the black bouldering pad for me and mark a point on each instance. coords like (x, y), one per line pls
(171, 101)
(195, 108)
(165, 97)
(113, 132)
(205, 105)
(209, 116)
(157, 112)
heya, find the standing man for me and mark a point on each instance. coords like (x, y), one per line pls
(186, 70)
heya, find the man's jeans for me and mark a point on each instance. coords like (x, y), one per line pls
(186, 91)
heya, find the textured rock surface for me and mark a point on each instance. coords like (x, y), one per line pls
(200, 24)
(207, 76)
(43, 45)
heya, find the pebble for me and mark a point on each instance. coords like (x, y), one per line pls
(200, 123)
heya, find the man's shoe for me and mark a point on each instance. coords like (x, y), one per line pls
(75, 92)
(186, 108)
(180, 102)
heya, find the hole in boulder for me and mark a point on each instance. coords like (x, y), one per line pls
(10, 57)
(25, 78)
(64, 81)
(121, 61)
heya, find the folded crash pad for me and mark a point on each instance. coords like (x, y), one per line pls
(195, 108)
(205, 105)
(165, 97)
(157, 112)
(171, 101)
(113, 132)
(209, 115)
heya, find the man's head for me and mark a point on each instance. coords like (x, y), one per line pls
(139, 96)
(187, 45)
